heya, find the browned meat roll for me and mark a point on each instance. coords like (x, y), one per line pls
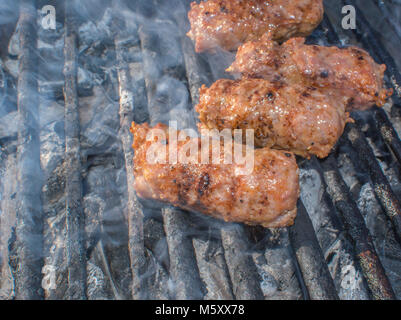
(351, 71)
(229, 23)
(304, 120)
(266, 196)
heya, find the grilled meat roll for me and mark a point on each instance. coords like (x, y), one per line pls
(351, 71)
(265, 196)
(229, 23)
(304, 120)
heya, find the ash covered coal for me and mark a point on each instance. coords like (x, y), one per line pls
(357, 179)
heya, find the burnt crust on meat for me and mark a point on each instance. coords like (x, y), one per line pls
(267, 196)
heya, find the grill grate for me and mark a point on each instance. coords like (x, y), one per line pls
(355, 226)
(201, 255)
(135, 210)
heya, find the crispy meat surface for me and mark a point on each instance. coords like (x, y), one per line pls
(305, 120)
(267, 196)
(350, 71)
(229, 23)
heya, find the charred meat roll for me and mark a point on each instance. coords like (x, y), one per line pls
(351, 71)
(229, 23)
(266, 195)
(305, 120)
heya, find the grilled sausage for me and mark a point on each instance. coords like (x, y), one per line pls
(266, 196)
(304, 120)
(350, 71)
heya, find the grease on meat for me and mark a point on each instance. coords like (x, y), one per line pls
(304, 120)
(267, 196)
(350, 71)
(229, 23)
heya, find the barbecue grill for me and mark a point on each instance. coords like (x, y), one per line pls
(71, 225)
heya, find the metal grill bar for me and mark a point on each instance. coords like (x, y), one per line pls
(148, 44)
(243, 273)
(388, 133)
(313, 163)
(383, 191)
(212, 265)
(183, 266)
(26, 252)
(354, 223)
(311, 261)
(331, 34)
(388, 15)
(75, 249)
(135, 210)
(196, 67)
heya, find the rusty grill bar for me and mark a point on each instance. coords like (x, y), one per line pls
(314, 270)
(26, 249)
(135, 210)
(76, 255)
(189, 238)
(365, 252)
